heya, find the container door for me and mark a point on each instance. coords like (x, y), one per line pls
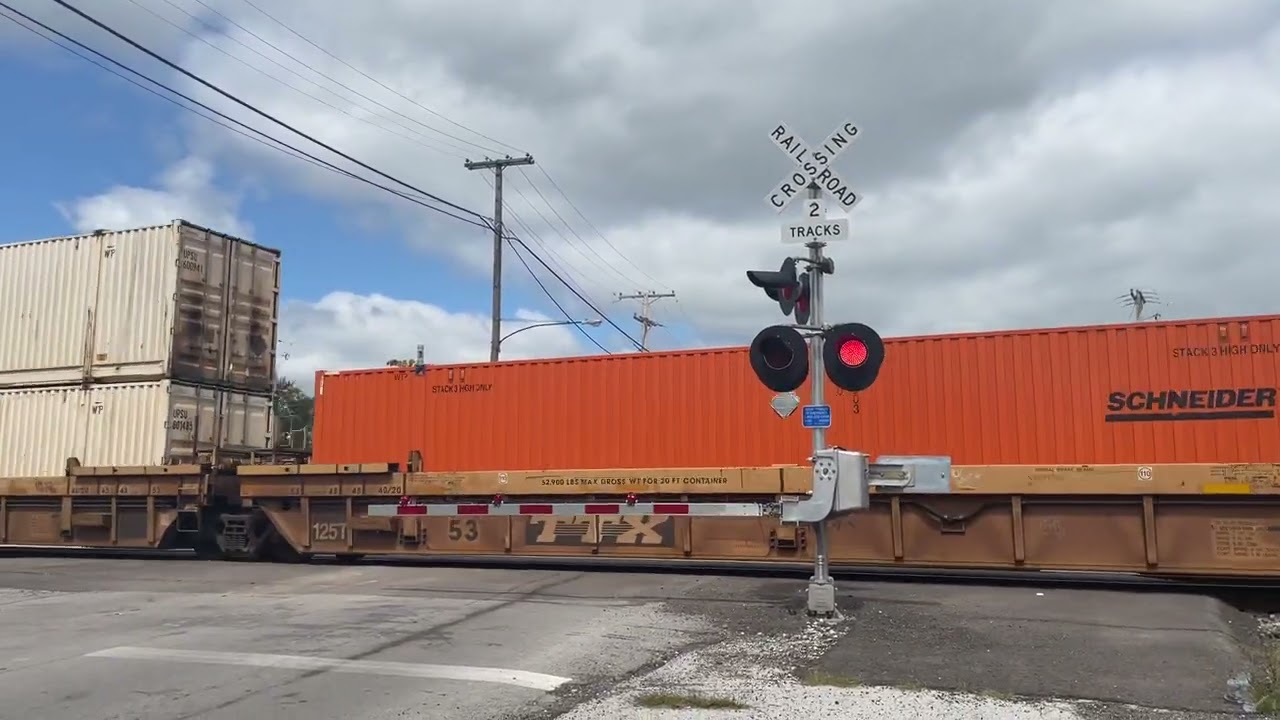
(125, 424)
(134, 311)
(246, 423)
(253, 292)
(194, 423)
(47, 304)
(40, 428)
(199, 327)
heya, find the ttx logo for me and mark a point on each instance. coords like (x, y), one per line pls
(656, 530)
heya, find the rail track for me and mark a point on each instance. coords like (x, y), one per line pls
(1254, 595)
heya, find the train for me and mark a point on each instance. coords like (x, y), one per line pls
(147, 423)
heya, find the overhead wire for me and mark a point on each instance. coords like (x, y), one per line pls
(528, 179)
(530, 233)
(481, 221)
(554, 211)
(253, 108)
(324, 75)
(297, 152)
(594, 229)
(286, 150)
(532, 274)
(550, 225)
(545, 291)
(369, 77)
(419, 139)
(384, 86)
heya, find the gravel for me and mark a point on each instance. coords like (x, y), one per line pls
(758, 672)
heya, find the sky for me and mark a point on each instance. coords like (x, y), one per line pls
(1020, 164)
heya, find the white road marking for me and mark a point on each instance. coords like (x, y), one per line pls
(520, 678)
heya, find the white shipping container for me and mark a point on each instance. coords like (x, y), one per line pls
(169, 301)
(153, 423)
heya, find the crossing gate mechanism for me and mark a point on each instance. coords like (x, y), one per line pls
(842, 480)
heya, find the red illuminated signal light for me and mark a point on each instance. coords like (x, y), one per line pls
(853, 352)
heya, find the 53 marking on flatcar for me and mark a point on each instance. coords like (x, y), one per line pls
(463, 529)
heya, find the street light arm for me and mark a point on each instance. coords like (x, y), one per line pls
(551, 323)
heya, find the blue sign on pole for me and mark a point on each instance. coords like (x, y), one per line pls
(816, 416)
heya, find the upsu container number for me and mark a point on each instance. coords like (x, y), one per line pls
(180, 421)
(190, 260)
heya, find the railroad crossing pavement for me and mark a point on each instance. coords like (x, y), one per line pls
(98, 638)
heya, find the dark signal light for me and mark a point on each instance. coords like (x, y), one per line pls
(780, 358)
(803, 301)
(781, 285)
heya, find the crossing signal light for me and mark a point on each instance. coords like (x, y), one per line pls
(852, 354)
(780, 358)
(782, 285)
(801, 303)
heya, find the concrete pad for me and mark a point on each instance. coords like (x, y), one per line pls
(1147, 649)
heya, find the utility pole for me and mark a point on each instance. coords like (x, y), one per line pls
(647, 299)
(497, 166)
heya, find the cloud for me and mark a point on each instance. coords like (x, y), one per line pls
(345, 330)
(186, 190)
(1023, 164)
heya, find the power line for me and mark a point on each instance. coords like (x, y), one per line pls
(340, 60)
(614, 325)
(568, 227)
(300, 153)
(253, 108)
(326, 76)
(162, 96)
(532, 234)
(292, 87)
(380, 83)
(594, 229)
(552, 226)
(552, 298)
(483, 221)
(290, 29)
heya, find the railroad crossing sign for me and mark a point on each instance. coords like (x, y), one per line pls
(813, 166)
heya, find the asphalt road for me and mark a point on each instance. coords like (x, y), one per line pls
(91, 639)
(155, 639)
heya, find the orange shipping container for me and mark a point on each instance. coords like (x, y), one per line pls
(1162, 392)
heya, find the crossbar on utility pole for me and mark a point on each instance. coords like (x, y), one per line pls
(497, 166)
(647, 299)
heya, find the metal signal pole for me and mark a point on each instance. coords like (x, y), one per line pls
(817, 390)
(497, 166)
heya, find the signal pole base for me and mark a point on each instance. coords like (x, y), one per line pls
(822, 598)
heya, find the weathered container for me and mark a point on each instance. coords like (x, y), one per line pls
(170, 301)
(1163, 392)
(153, 423)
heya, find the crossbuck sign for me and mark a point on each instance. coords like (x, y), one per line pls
(813, 166)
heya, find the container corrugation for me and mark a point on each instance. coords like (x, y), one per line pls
(153, 423)
(169, 301)
(1032, 397)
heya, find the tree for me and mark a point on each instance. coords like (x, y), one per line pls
(295, 414)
